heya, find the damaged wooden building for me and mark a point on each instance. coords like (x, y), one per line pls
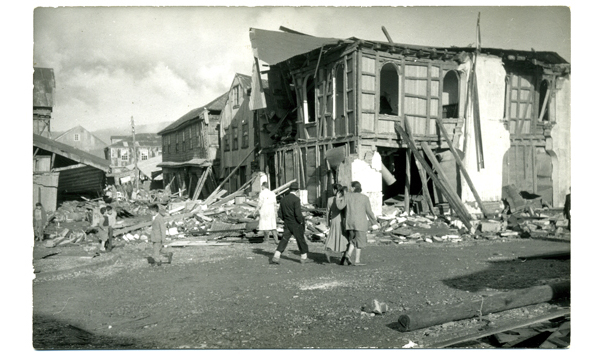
(333, 108)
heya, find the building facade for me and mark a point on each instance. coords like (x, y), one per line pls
(241, 135)
(506, 111)
(190, 147)
(121, 151)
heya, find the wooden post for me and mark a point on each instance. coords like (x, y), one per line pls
(425, 187)
(201, 182)
(432, 316)
(436, 165)
(464, 217)
(460, 164)
(407, 183)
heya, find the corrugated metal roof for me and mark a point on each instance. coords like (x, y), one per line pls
(43, 87)
(71, 152)
(215, 105)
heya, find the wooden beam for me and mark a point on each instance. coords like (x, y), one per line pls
(459, 206)
(496, 330)
(464, 218)
(282, 188)
(426, 194)
(233, 171)
(201, 182)
(72, 167)
(460, 164)
(52, 160)
(387, 35)
(436, 315)
(407, 183)
(36, 151)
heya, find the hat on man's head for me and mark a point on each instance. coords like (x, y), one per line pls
(294, 186)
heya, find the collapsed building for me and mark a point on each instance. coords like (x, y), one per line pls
(334, 108)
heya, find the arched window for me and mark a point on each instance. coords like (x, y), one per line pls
(309, 100)
(450, 95)
(389, 89)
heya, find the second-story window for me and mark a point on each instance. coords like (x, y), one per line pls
(245, 134)
(176, 142)
(235, 137)
(236, 96)
(226, 142)
(76, 137)
(124, 155)
(183, 140)
(190, 136)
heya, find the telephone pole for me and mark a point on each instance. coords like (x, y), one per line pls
(136, 171)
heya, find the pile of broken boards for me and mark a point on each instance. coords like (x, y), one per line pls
(71, 223)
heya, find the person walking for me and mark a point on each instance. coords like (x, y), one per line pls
(337, 240)
(158, 237)
(267, 210)
(293, 224)
(358, 214)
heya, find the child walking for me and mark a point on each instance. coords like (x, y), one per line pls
(158, 237)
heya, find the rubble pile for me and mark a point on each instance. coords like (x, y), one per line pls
(233, 220)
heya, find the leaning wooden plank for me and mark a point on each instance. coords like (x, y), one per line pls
(425, 188)
(429, 170)
(432, 316)
(461, 166)
(200, 184)
(437, 167)
(514, 325)
(283, 187)
(233, 171)
(213, 197)
(227, 198)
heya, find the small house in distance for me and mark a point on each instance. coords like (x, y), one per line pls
(82, 139)
(190, 148)
(120, 151)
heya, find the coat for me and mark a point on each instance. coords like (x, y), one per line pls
(290, 211)
(358, 211)
(267, 207)
(159, 229)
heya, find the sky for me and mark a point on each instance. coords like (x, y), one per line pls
(158, 63)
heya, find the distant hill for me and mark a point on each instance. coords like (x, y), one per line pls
(105, 134)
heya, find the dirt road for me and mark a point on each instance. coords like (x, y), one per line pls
(230, 297)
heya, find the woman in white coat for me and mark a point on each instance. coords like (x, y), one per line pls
(267, 210)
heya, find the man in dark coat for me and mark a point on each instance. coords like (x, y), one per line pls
(293, 224)
(358, 216)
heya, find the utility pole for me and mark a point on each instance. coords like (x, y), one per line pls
(136, 171)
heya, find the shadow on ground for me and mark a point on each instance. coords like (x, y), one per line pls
(314, 257)
(515, 273)
(52, 334)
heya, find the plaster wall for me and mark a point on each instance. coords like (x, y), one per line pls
(496, 138)
(367, 171)
(559, 143)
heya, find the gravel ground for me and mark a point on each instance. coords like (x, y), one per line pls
(230, 297)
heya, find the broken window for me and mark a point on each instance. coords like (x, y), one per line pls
(124, 155)
(183, 140)
(309, 100)
(450, 95)
(226, 142)
(544, 100)
(144, 154)
(389, 88)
